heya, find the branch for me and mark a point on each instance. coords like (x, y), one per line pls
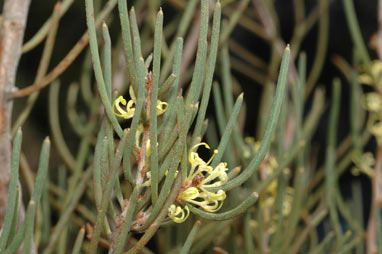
(12, 32)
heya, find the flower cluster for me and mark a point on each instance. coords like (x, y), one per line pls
(130, 106)
(267, 202)
(373, 100)
(251, 147)
(374, 74)
(128, 113)
(195, 188)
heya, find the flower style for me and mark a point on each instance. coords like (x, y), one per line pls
(195, 188)
(130, 106)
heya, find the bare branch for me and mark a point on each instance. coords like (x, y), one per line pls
(15, 13)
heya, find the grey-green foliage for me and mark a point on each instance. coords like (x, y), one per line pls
(146, 89)
(127, 175)
(10, 243)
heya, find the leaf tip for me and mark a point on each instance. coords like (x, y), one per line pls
(57, 6)
(47, 140)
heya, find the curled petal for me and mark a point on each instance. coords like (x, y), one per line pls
(130, 107)
(209, 201)
(189, 194)
(196, 161)
(218, 172)
(161, 107)
(178, 214)
(194, 155)
(218, 196)
(200, 170)
(131, 92)
(222, 176)
(118, 111)
(116, 103)
(211, 206)
(147, 183)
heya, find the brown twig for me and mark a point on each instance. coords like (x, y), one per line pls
(149, 233)
(376, 204)
(343, 66)
(57, 71)
(15, 14)
(67, 60)
(190, 47)
(142, 151)
(271, 30)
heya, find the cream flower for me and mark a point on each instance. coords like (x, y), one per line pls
(130, 106)
(251, 147)
(373, 102)
(376, 74)
(201, 177)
